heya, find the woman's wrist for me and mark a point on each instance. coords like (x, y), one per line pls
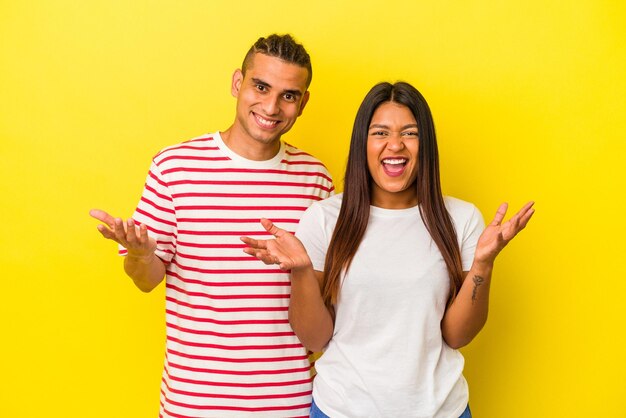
(482, 266)
(304, 267)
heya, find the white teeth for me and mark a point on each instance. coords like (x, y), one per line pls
(394, 161)
(265, 122)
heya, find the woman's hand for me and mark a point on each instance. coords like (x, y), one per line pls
(284, 249)
(498, 234)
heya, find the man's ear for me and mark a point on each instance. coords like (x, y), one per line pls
(236, 83)
(305, 99)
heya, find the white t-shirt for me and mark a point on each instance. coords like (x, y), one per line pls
(387, 356)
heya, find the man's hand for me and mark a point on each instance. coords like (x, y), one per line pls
(135, 239)
(141, 263)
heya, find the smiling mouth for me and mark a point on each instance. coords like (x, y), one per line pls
(265, 123)
(394, 166)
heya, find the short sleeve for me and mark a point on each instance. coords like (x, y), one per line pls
(472, 228)
(156, 211)
(313, 236)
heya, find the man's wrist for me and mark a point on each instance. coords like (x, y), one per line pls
(140, 258)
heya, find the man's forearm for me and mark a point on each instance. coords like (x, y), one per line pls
(146, 271)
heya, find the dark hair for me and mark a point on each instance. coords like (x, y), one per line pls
(355, 205)
(284, 47)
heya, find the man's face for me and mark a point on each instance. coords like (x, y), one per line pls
(270, 97)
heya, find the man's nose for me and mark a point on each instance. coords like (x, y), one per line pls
(271, 105)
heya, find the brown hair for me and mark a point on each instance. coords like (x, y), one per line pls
(284, 47)
(355, 205)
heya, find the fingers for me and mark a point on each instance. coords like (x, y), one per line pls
(106, 232)
(526, 207)
(143, 233)
(127, 234)
(522, 217)
(525, 214)
(262, 255)
(259, 248)
(497, 220)
(133, 234)
(119, 230)
(116, 230)
(270, 227)
(102, 216)
(254, 243)
(518, 222)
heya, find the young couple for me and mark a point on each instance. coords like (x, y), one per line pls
(388, 278)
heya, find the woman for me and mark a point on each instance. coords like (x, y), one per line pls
(390, 278)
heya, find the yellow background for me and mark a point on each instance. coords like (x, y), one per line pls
(529, 103)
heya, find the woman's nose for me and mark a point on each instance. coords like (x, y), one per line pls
(395, 142)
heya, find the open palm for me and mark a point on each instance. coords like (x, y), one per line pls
(498, 234)
(132, 237)
(284, 249)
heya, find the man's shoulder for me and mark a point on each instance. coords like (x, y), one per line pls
(300, 160)
(296, 154)
(199, 144)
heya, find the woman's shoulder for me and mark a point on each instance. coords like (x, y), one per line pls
(329, 205)
(459, 209)
(322, 212)
(456, 203)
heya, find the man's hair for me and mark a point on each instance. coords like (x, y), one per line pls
(283, 47)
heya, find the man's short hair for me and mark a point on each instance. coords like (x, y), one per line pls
(283, 47)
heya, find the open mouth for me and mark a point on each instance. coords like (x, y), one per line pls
(265, 123)
(394, 166)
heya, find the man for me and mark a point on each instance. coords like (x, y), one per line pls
(230, 349)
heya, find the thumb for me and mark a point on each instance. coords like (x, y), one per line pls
(270, 227)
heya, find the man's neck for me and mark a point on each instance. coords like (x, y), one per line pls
(241, 144)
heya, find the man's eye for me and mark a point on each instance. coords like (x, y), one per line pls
(290, 97)
(261, 87)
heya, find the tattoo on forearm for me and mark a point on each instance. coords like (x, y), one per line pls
(477, 282)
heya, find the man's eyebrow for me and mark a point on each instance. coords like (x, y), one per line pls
(261, 82)
(296, 93)
(258, 81)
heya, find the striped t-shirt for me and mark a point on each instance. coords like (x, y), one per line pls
(230, 350)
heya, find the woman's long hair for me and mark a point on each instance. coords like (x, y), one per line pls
(355, 205)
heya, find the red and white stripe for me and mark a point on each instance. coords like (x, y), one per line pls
(230, 349)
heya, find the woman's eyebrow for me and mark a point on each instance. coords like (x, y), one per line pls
(378, 125)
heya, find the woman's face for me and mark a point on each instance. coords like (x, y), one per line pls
(392, 149)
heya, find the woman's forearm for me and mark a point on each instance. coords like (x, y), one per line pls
(309, 317)
(467, 314)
